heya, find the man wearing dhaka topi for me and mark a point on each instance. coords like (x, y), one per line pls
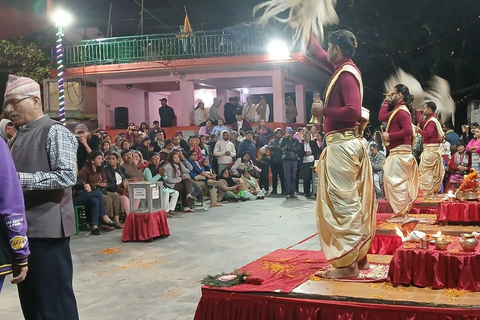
(431, 169)
(400, 172)
(345, 194)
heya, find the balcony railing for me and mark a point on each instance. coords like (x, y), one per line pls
(227, 42)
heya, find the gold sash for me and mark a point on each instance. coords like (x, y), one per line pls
(441, 134)
(404, 108)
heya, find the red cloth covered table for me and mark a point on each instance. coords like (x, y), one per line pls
(145, 226)
(385, 244)
(458, 212)
(435, 268)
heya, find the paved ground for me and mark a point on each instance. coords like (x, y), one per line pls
(160, 279)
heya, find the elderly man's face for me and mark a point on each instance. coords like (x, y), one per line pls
(127, 157)
(22, 109)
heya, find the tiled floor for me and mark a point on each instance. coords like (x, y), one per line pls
(160, 279)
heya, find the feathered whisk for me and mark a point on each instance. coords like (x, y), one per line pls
(438, 91)
(304, 16)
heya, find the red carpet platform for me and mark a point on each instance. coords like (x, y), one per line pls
(459, 212)
(288, 294)
(419, 206)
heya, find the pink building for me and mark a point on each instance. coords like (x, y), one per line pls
(136, 72)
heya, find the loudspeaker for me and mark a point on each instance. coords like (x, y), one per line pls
(121, 118)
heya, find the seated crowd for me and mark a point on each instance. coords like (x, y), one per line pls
(219, 164)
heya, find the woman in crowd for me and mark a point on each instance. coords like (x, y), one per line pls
(245, 164)
(203, 179)
(7, 129)
(169, 146)
(229, 188)
(262, 134)
(251, 187)
(199, 116)
(108, 139)
(474, 148)
(207, 129)
(145, 147)
(124, 146)
(193, 146)
(263, 110)
(249, 110)
(220, 127)
(118, 180)
(138, 159)
(83, 195)
(144, 128)
(309, 152)
(105, 148)
(179, 181)
(156, 172)
(459, 165)
(94, 175)
(291, 112)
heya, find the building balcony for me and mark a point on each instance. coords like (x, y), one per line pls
(228, 42)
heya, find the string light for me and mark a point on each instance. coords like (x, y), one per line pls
(468, 95)
(418, 47)
(60, 69)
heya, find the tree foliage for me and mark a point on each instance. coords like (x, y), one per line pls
(23, 57)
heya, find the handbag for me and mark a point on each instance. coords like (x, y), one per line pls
(122, 190)
(103, 190)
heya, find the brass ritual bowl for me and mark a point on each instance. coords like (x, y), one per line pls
(468, 242)
(466, 196)
(442, 244)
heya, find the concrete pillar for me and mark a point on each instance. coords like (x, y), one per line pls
(102, 104)
(184, 111)
(278, 81)
(300, 102)
(146, 107)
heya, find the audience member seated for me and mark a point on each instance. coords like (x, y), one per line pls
(138, 138)
(125, 146)
(94, 175)
(118, 144)
(244, 164)
(251, 187)
(229, 188)
(83, 195)
(144, 128)
(205, 147)
(220, 127)
(193, 146)
(133, 171)
(203, 179)
(156, 128)
(247, 145)
(118, 180)
(207, 129)
(105, 148)
(459, 165)
(159, 142)
(7, 129)
(138, 159)
(156, 172)
(86, 144)
(145, 148)
(241, 125)
(224, 152)
(179, 181)
(199, 116)
(183, 143)
(169, 146)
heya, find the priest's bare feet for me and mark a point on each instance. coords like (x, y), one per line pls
(363, 264)
(342, 273)
(398, 218)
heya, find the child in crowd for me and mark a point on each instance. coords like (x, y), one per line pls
(264, 164)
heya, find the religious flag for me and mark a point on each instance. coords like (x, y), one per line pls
(187, 28)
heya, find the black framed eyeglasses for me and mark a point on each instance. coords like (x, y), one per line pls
(14, 103)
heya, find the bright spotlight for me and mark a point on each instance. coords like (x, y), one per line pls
(278, 50)
(245, 91)
(62, 18)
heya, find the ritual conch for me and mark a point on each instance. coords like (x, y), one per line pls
(317, 103)
(304, 17)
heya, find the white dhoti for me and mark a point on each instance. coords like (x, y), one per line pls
(400, 179)
(431, 170)
(345, 200)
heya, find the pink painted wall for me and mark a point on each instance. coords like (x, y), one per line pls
(130, 98)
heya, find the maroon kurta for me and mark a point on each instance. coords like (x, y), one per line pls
(430, 134)
(345, 104)
(400, 130)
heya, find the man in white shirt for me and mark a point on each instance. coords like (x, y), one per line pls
(224, 151)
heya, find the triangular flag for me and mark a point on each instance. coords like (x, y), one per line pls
(187, 28)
